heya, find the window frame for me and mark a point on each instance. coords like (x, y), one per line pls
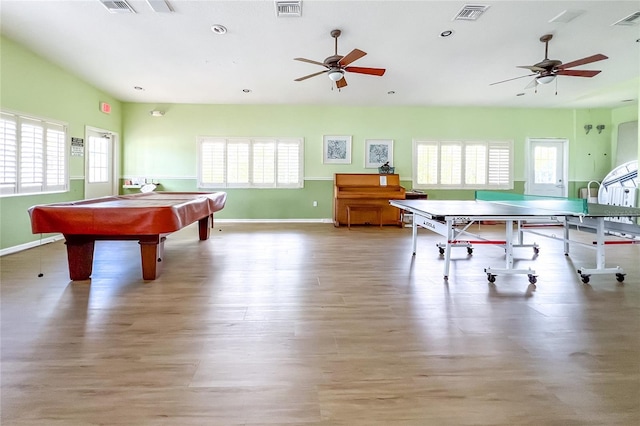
(249, 162)
(50, 156)
(492, 147)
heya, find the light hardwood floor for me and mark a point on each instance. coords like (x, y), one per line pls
(307, 324)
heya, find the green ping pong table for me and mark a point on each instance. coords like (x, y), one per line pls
(452, 218)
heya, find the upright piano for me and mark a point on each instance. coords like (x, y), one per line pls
(364, 190)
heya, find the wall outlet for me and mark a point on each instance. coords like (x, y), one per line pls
(315, 204)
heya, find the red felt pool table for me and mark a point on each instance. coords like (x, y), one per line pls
(145, 217)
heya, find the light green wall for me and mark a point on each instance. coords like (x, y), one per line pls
(32, 85)
(623, 115)
(164, 148)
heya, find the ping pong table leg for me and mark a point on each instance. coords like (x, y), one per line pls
(508, 268)
(414, 234)
(509, 244)
(520, 233)
(447, 251)
(585, 273)
(600, 255)
(566, 236)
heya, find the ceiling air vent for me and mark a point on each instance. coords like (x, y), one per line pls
(629, 20)
(288, 8)
(117, 6)
(160, 6)
(567, 16)
(470, 12)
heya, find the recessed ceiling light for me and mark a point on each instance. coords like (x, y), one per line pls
(446, 33)
(218, 29)
(138, 88)
(246, 90)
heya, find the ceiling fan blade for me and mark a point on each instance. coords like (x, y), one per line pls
(341, 83)
(532, 67)
(578, 73)
(532, 84)
(515, 78)
(310, 61)
(587, 60)
(351, 56)
(364, 70)
(311, 75)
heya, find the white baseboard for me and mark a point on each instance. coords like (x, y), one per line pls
(326, 220)
(25, 246)
(21, 247)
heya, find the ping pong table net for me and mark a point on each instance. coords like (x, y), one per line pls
(574, 205)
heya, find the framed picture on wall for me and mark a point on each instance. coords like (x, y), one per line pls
(336, 150)
(378, 152)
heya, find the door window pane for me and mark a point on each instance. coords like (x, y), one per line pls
(545, 165)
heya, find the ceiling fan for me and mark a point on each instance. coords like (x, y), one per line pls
(548, 69)
(336, 65)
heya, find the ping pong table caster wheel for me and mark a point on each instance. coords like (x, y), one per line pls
(585, 278)
(536, 250)
(469, 250)
(620, 277)
(441, 250)
(491, 278)
(533, 279)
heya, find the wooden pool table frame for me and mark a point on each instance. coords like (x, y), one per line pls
(145, 217)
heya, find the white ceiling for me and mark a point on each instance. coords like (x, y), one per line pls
(176, 58)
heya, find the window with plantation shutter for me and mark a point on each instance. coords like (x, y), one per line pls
(33, 155)
(426, 163)
(212, 164)
(8, 154)
(462, 164)
(250, 162)
(500, 158)
(264, 162)
(475, 164)
(289, 164)
(450, 163)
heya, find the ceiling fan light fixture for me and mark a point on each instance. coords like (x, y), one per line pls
(336, 74)
(545, 79)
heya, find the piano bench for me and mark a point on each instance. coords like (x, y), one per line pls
(366, 208)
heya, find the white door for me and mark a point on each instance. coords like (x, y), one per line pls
(100, 163)
(547, 173)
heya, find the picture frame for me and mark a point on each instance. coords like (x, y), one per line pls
(378, 152)
(336, 149)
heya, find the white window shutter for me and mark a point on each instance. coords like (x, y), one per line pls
(8, 154)
(499, 168)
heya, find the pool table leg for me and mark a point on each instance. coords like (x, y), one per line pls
(79, 256)
(151, 252)
(203, 227)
